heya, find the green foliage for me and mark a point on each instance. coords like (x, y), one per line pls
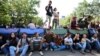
(81, 10)
(5, 19)
(18, 11)
(85, 8)
(65, 21)
(38, 20)
(4, 16)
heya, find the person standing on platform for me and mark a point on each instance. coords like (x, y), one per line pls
(55, 22)
(49, 12)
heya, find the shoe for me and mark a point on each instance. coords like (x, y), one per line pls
(41, 53)
(30, 54)
(51, 49)
(46, 49)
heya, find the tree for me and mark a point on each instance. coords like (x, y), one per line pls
(82, 9)
(66, 21)
(23, 9)
(92, 10)
(85, 8)
(4, 16)
(18, 11)
(38, 20)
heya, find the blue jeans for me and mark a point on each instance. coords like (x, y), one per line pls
(78, 46)
(44, 45)
(5, 50)
(12, 50)
(69, 47)
(88, 45)
(23, 50)
(50, 45)
(82, 46)
(53, 45)
(97, 45)
(61, 47)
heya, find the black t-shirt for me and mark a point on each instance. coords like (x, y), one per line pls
(49, 10)
(2, 42)
(76, 41)
(13, 42)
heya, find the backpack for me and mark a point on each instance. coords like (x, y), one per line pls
(26, 41)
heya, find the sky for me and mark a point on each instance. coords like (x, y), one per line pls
(65, 7)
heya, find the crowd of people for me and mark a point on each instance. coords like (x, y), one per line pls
(20, 44)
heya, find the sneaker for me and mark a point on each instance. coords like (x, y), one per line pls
(30, 54)
(51, 49)
(41, 53)
(46, 49)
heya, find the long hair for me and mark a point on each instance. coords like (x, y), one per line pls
(67, 35)
(10, 38)
(26, 37)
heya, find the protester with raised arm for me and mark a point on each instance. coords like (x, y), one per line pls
(49, 12)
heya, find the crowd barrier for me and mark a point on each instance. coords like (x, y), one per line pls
(84, 31)
(60, 31)
(21, 30)
(41, 31)
(8, 31)
(32, 31)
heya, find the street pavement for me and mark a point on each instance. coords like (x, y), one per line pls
(63, 53)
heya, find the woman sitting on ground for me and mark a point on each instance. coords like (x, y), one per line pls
(76, 41)
(13, 44)
(23, 45)
(86, 44)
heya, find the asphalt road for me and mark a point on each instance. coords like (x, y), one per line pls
(63, 53)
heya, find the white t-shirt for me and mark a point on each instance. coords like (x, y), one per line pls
(68, 40)
(56, 15)
(31, 25)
